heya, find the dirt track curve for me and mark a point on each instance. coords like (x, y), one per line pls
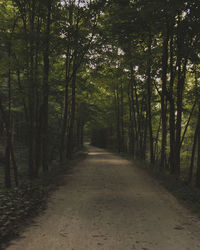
(106, 203)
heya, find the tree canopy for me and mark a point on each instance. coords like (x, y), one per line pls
(123, 74)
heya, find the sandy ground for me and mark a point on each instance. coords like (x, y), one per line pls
(107, 203)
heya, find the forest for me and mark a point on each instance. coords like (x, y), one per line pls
(123, 74)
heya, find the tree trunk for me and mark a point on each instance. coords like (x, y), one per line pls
(180, 88)
(131, 129)
(172, 110)
(122, 117)
(15, 168)
(70, 141)
(198, 151)
(144, 146)
(157, 139)
(137, 120)
(149, 95)
(46, 92)
(66, 95)
(134, 122)
(163, 99)
(31, 97)
(81, 135)
(8, 127)
(196, 134)
(117, 110)
(23, 94)
(181, 65)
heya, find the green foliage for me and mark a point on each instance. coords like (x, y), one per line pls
(16, 205)
(96, 68)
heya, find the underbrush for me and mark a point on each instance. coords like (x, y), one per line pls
(16, 205)
(19, 205)
(187, 194)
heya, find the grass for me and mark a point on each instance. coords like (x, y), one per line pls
(187, 194)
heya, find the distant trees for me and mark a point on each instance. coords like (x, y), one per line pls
(126, 72)
(43, 46)
(159, 44)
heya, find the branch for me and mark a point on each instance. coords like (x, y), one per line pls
(157, 88)
(188, 122)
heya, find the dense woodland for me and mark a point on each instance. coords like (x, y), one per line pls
(123, 73)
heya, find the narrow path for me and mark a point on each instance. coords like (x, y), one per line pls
(107, 203)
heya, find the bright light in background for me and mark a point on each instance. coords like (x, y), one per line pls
(136, 68)
(80, 3)
(120, 52)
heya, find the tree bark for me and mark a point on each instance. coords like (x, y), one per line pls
(190, 175)
(46, 92)
(31, 97)
(122, 117)
(198, 151)
(163, 98)
(133, 109)
(172, 109)
(66, 95)
(181, 65)
(70, 141)
(131, 129)
(180, 88)
(117, 110)
(15, 167)
(149, 97)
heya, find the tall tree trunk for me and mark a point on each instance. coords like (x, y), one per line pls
(70, 141)
(81, 134)
(163, 98)
(8, 128)
(180, 88)
(70, 138)
(15, 168)
(76, 64)
(196, 134)
(144, 145)
(181, 65)
(118, 119)
(156, 140)
(46, 92)
(138, 120)
(65, 113)
(198, 151)
(38, 115)
(131, 129)
(78, 133)
(31, 97)
(23, 95)
(66, 95)
(149, 96)
(133, 109)
(172, 109)
(122, 117)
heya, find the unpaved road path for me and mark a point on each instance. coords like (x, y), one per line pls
(106, 203)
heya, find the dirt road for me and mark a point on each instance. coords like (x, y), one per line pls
(107, 203)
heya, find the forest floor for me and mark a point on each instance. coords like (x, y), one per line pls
(108, 203)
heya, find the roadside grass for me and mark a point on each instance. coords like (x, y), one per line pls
(19, 206)
(187, 194)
